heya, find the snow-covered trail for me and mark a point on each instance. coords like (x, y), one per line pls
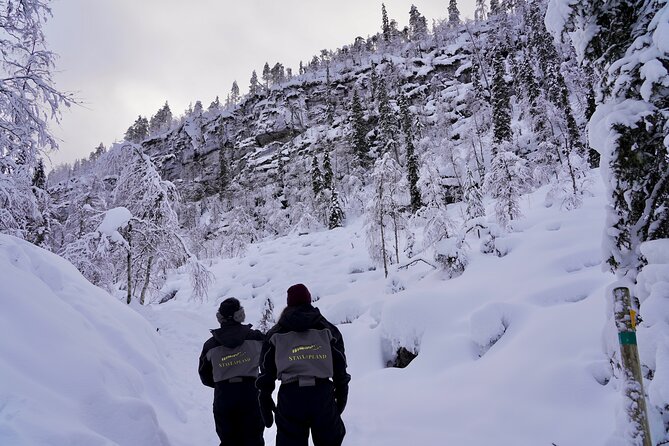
(540, 384)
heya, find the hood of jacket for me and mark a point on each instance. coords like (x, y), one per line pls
(300, 318)
(231, 334)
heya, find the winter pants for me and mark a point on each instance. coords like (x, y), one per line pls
(237, 414)
(300, 409)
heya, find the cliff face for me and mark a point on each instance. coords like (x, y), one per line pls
(294, 117)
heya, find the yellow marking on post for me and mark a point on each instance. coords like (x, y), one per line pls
(633, 316)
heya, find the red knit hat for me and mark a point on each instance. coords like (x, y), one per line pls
(298, 295)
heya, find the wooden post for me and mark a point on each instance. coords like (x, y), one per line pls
(625, 318)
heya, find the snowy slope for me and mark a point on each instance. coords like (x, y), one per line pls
(77, 367)
(543, 382)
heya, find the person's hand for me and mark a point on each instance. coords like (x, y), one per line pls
(267, 408)
(341, 397)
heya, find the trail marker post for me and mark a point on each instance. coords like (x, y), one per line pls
(625, 318)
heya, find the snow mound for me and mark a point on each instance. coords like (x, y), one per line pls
(78, 367)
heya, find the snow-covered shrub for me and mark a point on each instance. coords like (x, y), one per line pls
(489, 244)
(394, 285)
(508, 178)
(451, 255)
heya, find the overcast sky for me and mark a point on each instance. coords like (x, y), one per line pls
(124, 58)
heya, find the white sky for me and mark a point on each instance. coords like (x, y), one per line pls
(124, 58)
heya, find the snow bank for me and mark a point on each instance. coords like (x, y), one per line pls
(78, 367)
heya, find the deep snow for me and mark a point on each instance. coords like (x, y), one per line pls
(79, 367)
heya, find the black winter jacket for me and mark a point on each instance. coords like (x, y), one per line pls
(302, 318)
(231, 334)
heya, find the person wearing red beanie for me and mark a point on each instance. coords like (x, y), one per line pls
(306, 353)
(298, 295)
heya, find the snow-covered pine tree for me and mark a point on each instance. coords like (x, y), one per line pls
(317, 184)
(453, 13)
(411, 157)
(138, 131)
(473, 198)
(267, 319)
(495, 7)
(624, 43)
(223, 173)
(501, 100)
(39, 175)
(387, 129)
(254, 85)
(481, 11)
(161, 121)
(215, 105)
(234, 93)
(507, 179)
(417, 24)
(336, 213)
(328, 175)
(359, 131)
(266, 75)
(277, 74)
(385, 24)
(633, 107)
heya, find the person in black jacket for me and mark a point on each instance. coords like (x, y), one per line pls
(306, 353)
(229, 364)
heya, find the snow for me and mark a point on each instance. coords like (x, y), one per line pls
(652, 72)
(601, 134)
(113, 220)
(78, 367)
(661, 33)
(510, 352)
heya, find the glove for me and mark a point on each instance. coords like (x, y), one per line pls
(341, 397)
(267, 408)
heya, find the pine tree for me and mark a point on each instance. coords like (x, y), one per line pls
(412, 159)
(234, 93)
(360, 144)
(39, 176)
(506, 181)
(223, 176)
(254, 87)
(385, 24)
(328, 176)
(473, 198)
(387, 122)
(495, 7)
(267, 319)
(277, 74)
(161, 121)
(549, 63)
(373, 83)
(453, 13)
(335, 211)
(501, 101)
(139, 131)
(316, 177)
(623, 43)
(481, 11)
(417, 24)
(266, 75)
(215, 105)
